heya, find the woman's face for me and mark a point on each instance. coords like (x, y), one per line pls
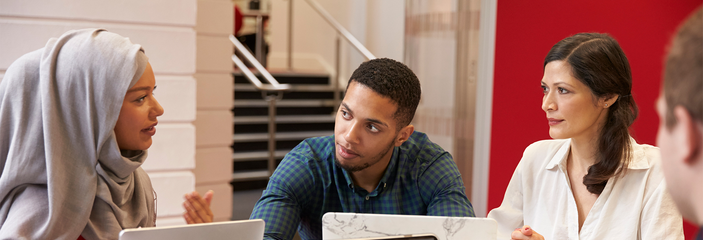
(137, 121)
(572, 109)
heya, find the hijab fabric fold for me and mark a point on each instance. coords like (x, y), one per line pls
(63, 174)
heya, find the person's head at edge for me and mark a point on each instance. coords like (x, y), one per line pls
(680, 110)
(587, 97)
(375, 114)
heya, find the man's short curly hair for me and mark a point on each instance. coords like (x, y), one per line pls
(394, 80)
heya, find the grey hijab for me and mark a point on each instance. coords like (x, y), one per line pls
(63, 174)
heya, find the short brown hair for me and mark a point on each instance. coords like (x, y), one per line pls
(683, 71)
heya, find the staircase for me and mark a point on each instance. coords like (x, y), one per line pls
(306, 111)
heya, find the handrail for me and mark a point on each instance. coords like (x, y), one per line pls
(341, 30)
(254, 80)
(271, 92)
(274, 85)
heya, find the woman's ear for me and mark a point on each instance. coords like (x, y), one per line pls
(608, 100)
(404, 134)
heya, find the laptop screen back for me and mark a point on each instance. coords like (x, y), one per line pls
(402, 237)
(358, 225)
(243, 230)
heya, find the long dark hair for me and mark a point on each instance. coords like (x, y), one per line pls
(598, 61)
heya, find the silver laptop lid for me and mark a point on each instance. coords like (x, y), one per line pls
(243, 230)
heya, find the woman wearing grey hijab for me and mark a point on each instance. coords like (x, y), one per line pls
(76, 118)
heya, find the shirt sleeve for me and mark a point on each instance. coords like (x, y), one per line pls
(281, 204)
(510, 214)
(443, 182)
(660, 216)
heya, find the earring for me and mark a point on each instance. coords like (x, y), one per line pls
(606, 105)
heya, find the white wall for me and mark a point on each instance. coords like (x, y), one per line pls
(313, 38)
(213, 155)
(379, 25)
(385, 28)
(165, 30)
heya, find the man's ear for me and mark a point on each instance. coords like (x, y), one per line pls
(690, 138)
(404, 134)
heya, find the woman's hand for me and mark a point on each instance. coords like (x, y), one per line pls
(197, 208)
(525, 233)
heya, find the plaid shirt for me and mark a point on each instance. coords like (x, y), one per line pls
(421, 179)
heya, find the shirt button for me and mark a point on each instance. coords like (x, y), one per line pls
(367, 197)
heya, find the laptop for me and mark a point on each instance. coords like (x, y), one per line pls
(403, 237)
(367, 226)
(243, 230)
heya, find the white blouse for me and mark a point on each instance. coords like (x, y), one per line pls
(634, 206)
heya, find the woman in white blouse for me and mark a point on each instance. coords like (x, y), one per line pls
(593, 181)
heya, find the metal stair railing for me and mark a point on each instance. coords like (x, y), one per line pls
(271, 92)
(340, 31)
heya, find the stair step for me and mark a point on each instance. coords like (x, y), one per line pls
(253, 137)
(282, 111)
(250, 175)
(248, 156)
(285, 119)
(262, 145)
(293, 95)
(294, 88)
(262, 127)
(289, 78)
(283, 73)
(284, 103)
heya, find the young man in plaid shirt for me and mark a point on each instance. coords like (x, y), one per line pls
(375, 163)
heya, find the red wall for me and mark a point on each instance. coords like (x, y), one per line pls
(525, 32)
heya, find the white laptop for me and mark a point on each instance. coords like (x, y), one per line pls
(242, 230)
(403, 237)
(368, 226)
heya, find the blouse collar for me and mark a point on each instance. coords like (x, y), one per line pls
(637, 161)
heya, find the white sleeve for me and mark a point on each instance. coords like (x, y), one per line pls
(660, 217)
(509, 214)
